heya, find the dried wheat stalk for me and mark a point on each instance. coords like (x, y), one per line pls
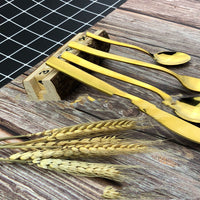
(81, 130)
(82, 150)
(100, 149)
(88, 129)
(79, 168)
(108, 171)
(76, 141)
(63, 143)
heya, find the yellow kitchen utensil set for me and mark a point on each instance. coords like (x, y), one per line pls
(183, 110)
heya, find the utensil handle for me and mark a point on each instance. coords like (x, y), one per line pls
(102, 54)
(103, 39)
(168, 120)
(91, 66)
(171, 122)
(78, 74)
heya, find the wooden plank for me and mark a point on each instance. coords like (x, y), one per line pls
(164, 162)
(168, 166)
(161, 35)
(179, 11)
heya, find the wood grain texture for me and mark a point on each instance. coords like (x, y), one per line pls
(170, 10)
(171, 170)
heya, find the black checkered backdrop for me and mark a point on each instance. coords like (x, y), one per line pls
(33, 29)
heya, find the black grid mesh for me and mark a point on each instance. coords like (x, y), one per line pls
(33, 29)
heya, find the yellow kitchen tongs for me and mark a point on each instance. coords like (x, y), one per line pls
(175, 124)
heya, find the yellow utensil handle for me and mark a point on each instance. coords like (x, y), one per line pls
(103, 39)
(102, 54)
(171, 122)
(91, 66)
(84, 77)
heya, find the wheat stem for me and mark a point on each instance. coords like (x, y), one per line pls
(8, 160)
(23, 143)
(14, 137)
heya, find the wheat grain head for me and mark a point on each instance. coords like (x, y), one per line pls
(110, 192)
(79, 168)
(82, 150)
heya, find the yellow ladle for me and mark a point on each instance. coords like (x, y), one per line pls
(189, 82)
(184, 110)
(164, 58)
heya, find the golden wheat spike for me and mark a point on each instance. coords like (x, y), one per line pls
(63, 143)
(99, 149)
(110, 192)
(93, 128)
(80, 130)
(81, 150)
(79, 168)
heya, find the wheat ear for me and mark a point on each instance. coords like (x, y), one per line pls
(99, 149)
(82, 130)
(108, 171)
(110, 192)
(62, 143)
(81, 150)
(93, 128)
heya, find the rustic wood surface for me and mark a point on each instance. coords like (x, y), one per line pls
(172, 170)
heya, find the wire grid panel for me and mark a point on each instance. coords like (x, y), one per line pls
(33, 29)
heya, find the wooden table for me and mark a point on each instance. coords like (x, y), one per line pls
(172, 171)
